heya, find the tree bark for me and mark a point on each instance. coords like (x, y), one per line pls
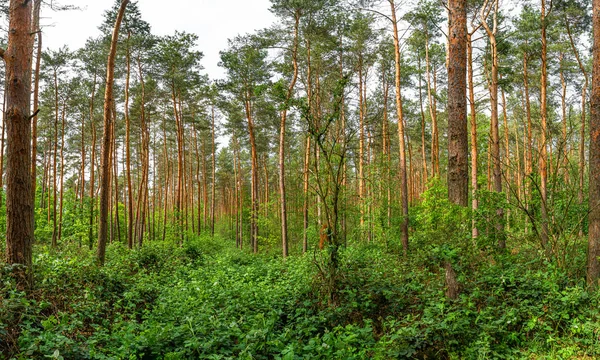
(19, 208)
(544, 130)
(62, 171)
(37, 4)
(583, 119)
(290, 92)
(54, 160)
(495, 134)
(474, 151)
(130, 224)
(593, 267)
(458, 143)
(402, 146)
(107, 137)
(92, 167)
(214, 172)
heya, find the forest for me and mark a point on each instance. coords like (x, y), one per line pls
(386, 179)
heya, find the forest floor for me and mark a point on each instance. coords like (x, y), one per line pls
(209, 300)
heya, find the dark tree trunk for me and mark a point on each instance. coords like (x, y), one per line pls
(458, 151)
(19, 207)
(593, 267)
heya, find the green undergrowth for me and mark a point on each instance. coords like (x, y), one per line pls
(208, 300)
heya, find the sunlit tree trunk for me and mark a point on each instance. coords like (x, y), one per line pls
(37, 5)
(432, 103)
(92, 167)
(130, 224)
(214, 173)
(306, 174)
(474, 151)
(54, 160)
(290, 92)
(583, 119)
(544, 130)
(106, 142)
(62, 171)
(423, 151)
(402, 146)
(495, 134)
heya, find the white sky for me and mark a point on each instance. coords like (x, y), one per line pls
(214, 21)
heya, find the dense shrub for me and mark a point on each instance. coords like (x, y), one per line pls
(209, 300)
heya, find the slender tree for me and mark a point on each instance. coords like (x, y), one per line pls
(593, 266)
(106, 140)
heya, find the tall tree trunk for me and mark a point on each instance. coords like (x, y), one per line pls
(2, 137)
(282, 194)
(55, 159)
(62, 171)
(593, 267)
(145, 151)
(458, 148)
(214, 172)
(435, 150)
(583, 119)
(402, 147)
(306, 174)
(495, 135)
(423, 152)
(180, 169)
(37, 5)
(544, 131)
(130, 224)
(474, 151)
(92, 167)
(507, 164)
(106, 141)
(198, 181)
(361, 146)
(528, 149)
(458, 140)
(19, 209)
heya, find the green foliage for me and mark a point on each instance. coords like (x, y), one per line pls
(208, 300)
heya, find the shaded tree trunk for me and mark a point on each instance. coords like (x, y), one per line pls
(19, 208)
(474, 152)
(458, 143)
(593, 267)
